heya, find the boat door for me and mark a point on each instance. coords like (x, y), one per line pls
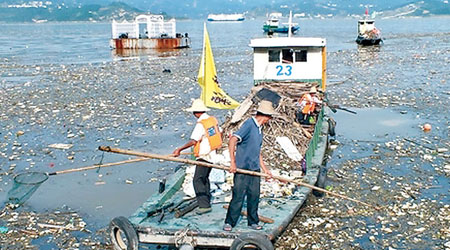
(143, 33)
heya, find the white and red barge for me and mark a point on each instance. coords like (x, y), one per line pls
(148, 32)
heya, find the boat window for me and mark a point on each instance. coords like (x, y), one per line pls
(288, 56)
(369, 22)
(274, 55)
(300, 55)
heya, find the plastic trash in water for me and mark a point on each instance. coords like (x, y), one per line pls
(4, 230)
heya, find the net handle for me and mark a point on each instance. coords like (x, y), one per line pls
(97, 166)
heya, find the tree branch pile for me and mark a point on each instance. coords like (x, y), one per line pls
(283, 124)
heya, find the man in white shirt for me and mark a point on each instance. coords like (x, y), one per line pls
(206, 138)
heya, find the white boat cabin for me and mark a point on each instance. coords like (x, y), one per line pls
(144, 26)
(289, 59)
(273, 21)
(365, 26)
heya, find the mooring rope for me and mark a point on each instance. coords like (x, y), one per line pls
(181, 238)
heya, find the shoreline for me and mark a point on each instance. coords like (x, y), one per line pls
(249, 18)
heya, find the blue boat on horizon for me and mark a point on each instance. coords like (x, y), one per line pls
(281, 29)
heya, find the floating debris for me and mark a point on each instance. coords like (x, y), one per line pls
(60, 146)
(118, 99)
(426, 127)
(24, 227)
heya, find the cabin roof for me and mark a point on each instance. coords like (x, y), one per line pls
(278, 42)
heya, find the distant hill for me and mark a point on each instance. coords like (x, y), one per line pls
(322, 8)
(90, 12)
(342, 8)
(105, 10)
(420, 8)
(201, 8)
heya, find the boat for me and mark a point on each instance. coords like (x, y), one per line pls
(147, 32)
(284, 69)
(272, 24)
(368, 34)
(226, 17)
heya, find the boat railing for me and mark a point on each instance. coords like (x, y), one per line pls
(314, 140)
(131, 30)
(153, 28)
(157, 29)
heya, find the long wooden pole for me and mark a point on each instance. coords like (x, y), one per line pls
(260, 217)
(98, 166)
(107, 165)
(241, 171)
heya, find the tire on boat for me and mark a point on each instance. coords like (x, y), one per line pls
(331, 127)
(252, 240)
(321, 181)
(186, 247)
(123, 235)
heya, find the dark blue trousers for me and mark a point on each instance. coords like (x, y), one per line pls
(201, 186)
(244, 185)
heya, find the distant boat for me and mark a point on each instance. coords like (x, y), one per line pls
(226, 17)
(368, 34)
(147, 32)
(273, 25)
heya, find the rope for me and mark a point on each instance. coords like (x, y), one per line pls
(100, 162)
(181, 238)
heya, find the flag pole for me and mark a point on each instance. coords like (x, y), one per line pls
(290, 24)
(204, 62)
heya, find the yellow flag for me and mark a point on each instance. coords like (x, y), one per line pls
(212, 95)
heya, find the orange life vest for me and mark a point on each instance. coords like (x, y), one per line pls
(212, 132)
(310, 105)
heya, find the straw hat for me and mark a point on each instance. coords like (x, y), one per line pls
(197, 106)
(313, 90)
(265, 107)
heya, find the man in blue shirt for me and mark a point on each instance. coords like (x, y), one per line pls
(245, 153)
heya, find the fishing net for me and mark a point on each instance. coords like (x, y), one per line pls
(25, 184)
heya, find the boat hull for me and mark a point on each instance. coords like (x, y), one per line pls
(226, 20)
(368, 41)
(150, 43)
(226, 17)
(280, 29)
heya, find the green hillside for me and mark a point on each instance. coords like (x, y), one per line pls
(89, 12)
